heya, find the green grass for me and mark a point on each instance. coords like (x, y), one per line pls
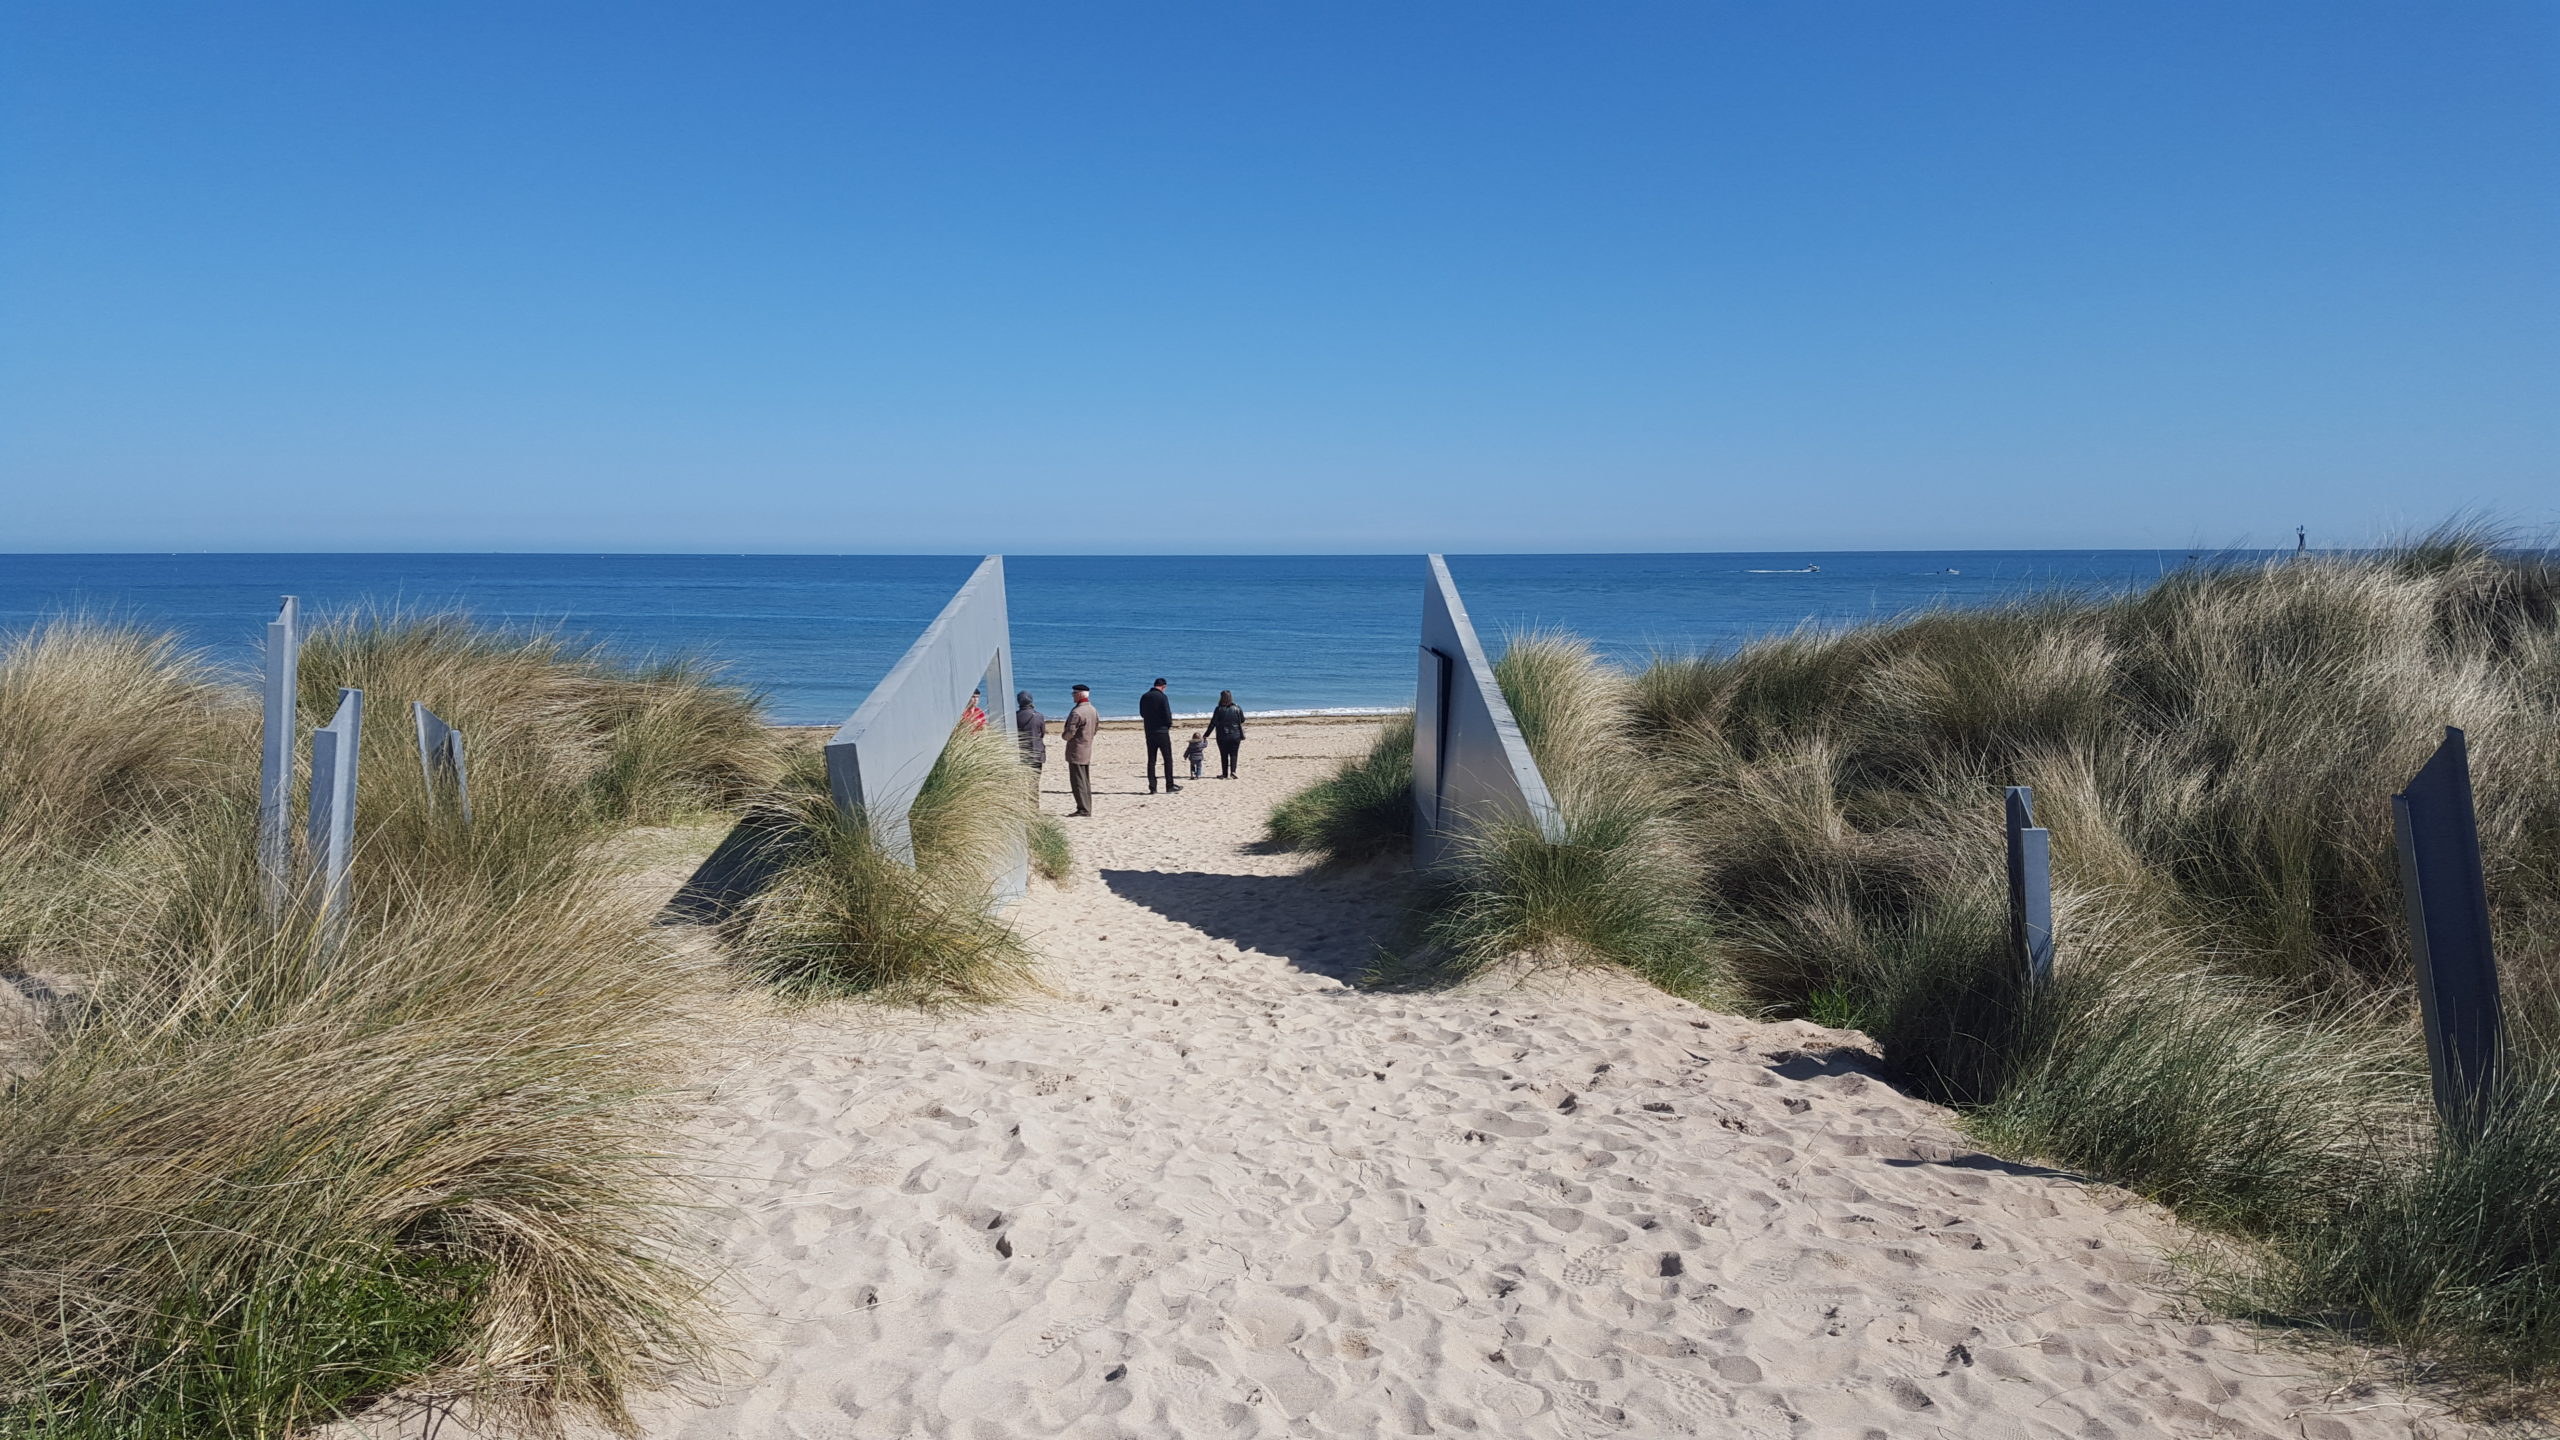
(1363, 810)
(2452, 1255)
(2232, 1031)
(1053, 856)
(845, 918)
(1812, 827)
(249, 1179)
(1618, 889)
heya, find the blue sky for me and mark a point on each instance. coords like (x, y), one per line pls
(1273, 277)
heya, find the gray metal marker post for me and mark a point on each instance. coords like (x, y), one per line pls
(275, 760)
(2030, 888)
(440, 755)
(2448, 906)
(332, 820)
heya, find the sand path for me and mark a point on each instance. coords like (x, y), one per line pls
(1206, 1189)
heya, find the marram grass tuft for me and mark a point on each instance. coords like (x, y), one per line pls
(252, 1177)
(843, 917)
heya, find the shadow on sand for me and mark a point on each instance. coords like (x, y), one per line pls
(1325, 927)
(1975, 1160)
(743, 863)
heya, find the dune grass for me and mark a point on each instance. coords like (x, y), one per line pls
(1362, 810)
(1619, 888)
(844, 917)
(631, 743)
(1053, 855)
(2448, 1252)
(250, 1178)
(1812, 827)
(2232, 1032)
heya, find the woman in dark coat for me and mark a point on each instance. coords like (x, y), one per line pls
(1226, 725)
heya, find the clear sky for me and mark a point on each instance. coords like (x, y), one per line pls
(1273, 277)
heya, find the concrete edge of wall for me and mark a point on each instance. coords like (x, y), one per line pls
(878, 759)
(1471, 763)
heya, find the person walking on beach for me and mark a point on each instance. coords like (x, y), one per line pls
(1193, 751)
(1227, 723)
(1155, 710)
(1031, 731)
(1083, 723)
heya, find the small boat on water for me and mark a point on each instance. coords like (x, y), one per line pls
(1803, 570)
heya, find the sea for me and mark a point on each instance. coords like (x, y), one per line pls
(1286, 633)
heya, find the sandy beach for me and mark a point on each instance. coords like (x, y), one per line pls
(1206, 1187)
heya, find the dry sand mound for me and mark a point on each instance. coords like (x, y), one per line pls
(1207, 1189)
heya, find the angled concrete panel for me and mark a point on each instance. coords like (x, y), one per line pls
(879, 759)
(1470, 762)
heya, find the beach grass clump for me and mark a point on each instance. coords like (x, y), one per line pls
(1619, 887)
(108, 733)
(2231, 1029)
(842, 916)
(1363, 810)
(1053, 856)
(104, 727)
(635, 741)
(1608, 893)
(253, 1175)
(263, 1177)
(2453, 1255)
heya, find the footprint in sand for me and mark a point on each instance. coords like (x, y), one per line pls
(1059, 1337)
(1587, 1268)
(1274, 1140)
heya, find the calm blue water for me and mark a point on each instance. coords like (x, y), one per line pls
(1284, 632)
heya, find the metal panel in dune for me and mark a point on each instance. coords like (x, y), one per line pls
(2447, 899)
(879, 759)
(1470, 762)
(440, 759)
(331, 813)
(2030, 888)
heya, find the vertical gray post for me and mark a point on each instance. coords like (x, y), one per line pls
(2447, 901)
(275, 760)
(332, 821)
(440, 757)
(2030, 888)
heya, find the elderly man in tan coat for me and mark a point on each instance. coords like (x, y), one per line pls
(1082, 724)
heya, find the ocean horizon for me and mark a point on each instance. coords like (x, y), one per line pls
(1308, 634)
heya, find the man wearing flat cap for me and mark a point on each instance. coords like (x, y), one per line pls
(1083, 723)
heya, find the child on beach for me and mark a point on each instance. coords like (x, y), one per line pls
(1193, 752)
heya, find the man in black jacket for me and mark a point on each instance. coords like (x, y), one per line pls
(1155, 709)
(1031, 731)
